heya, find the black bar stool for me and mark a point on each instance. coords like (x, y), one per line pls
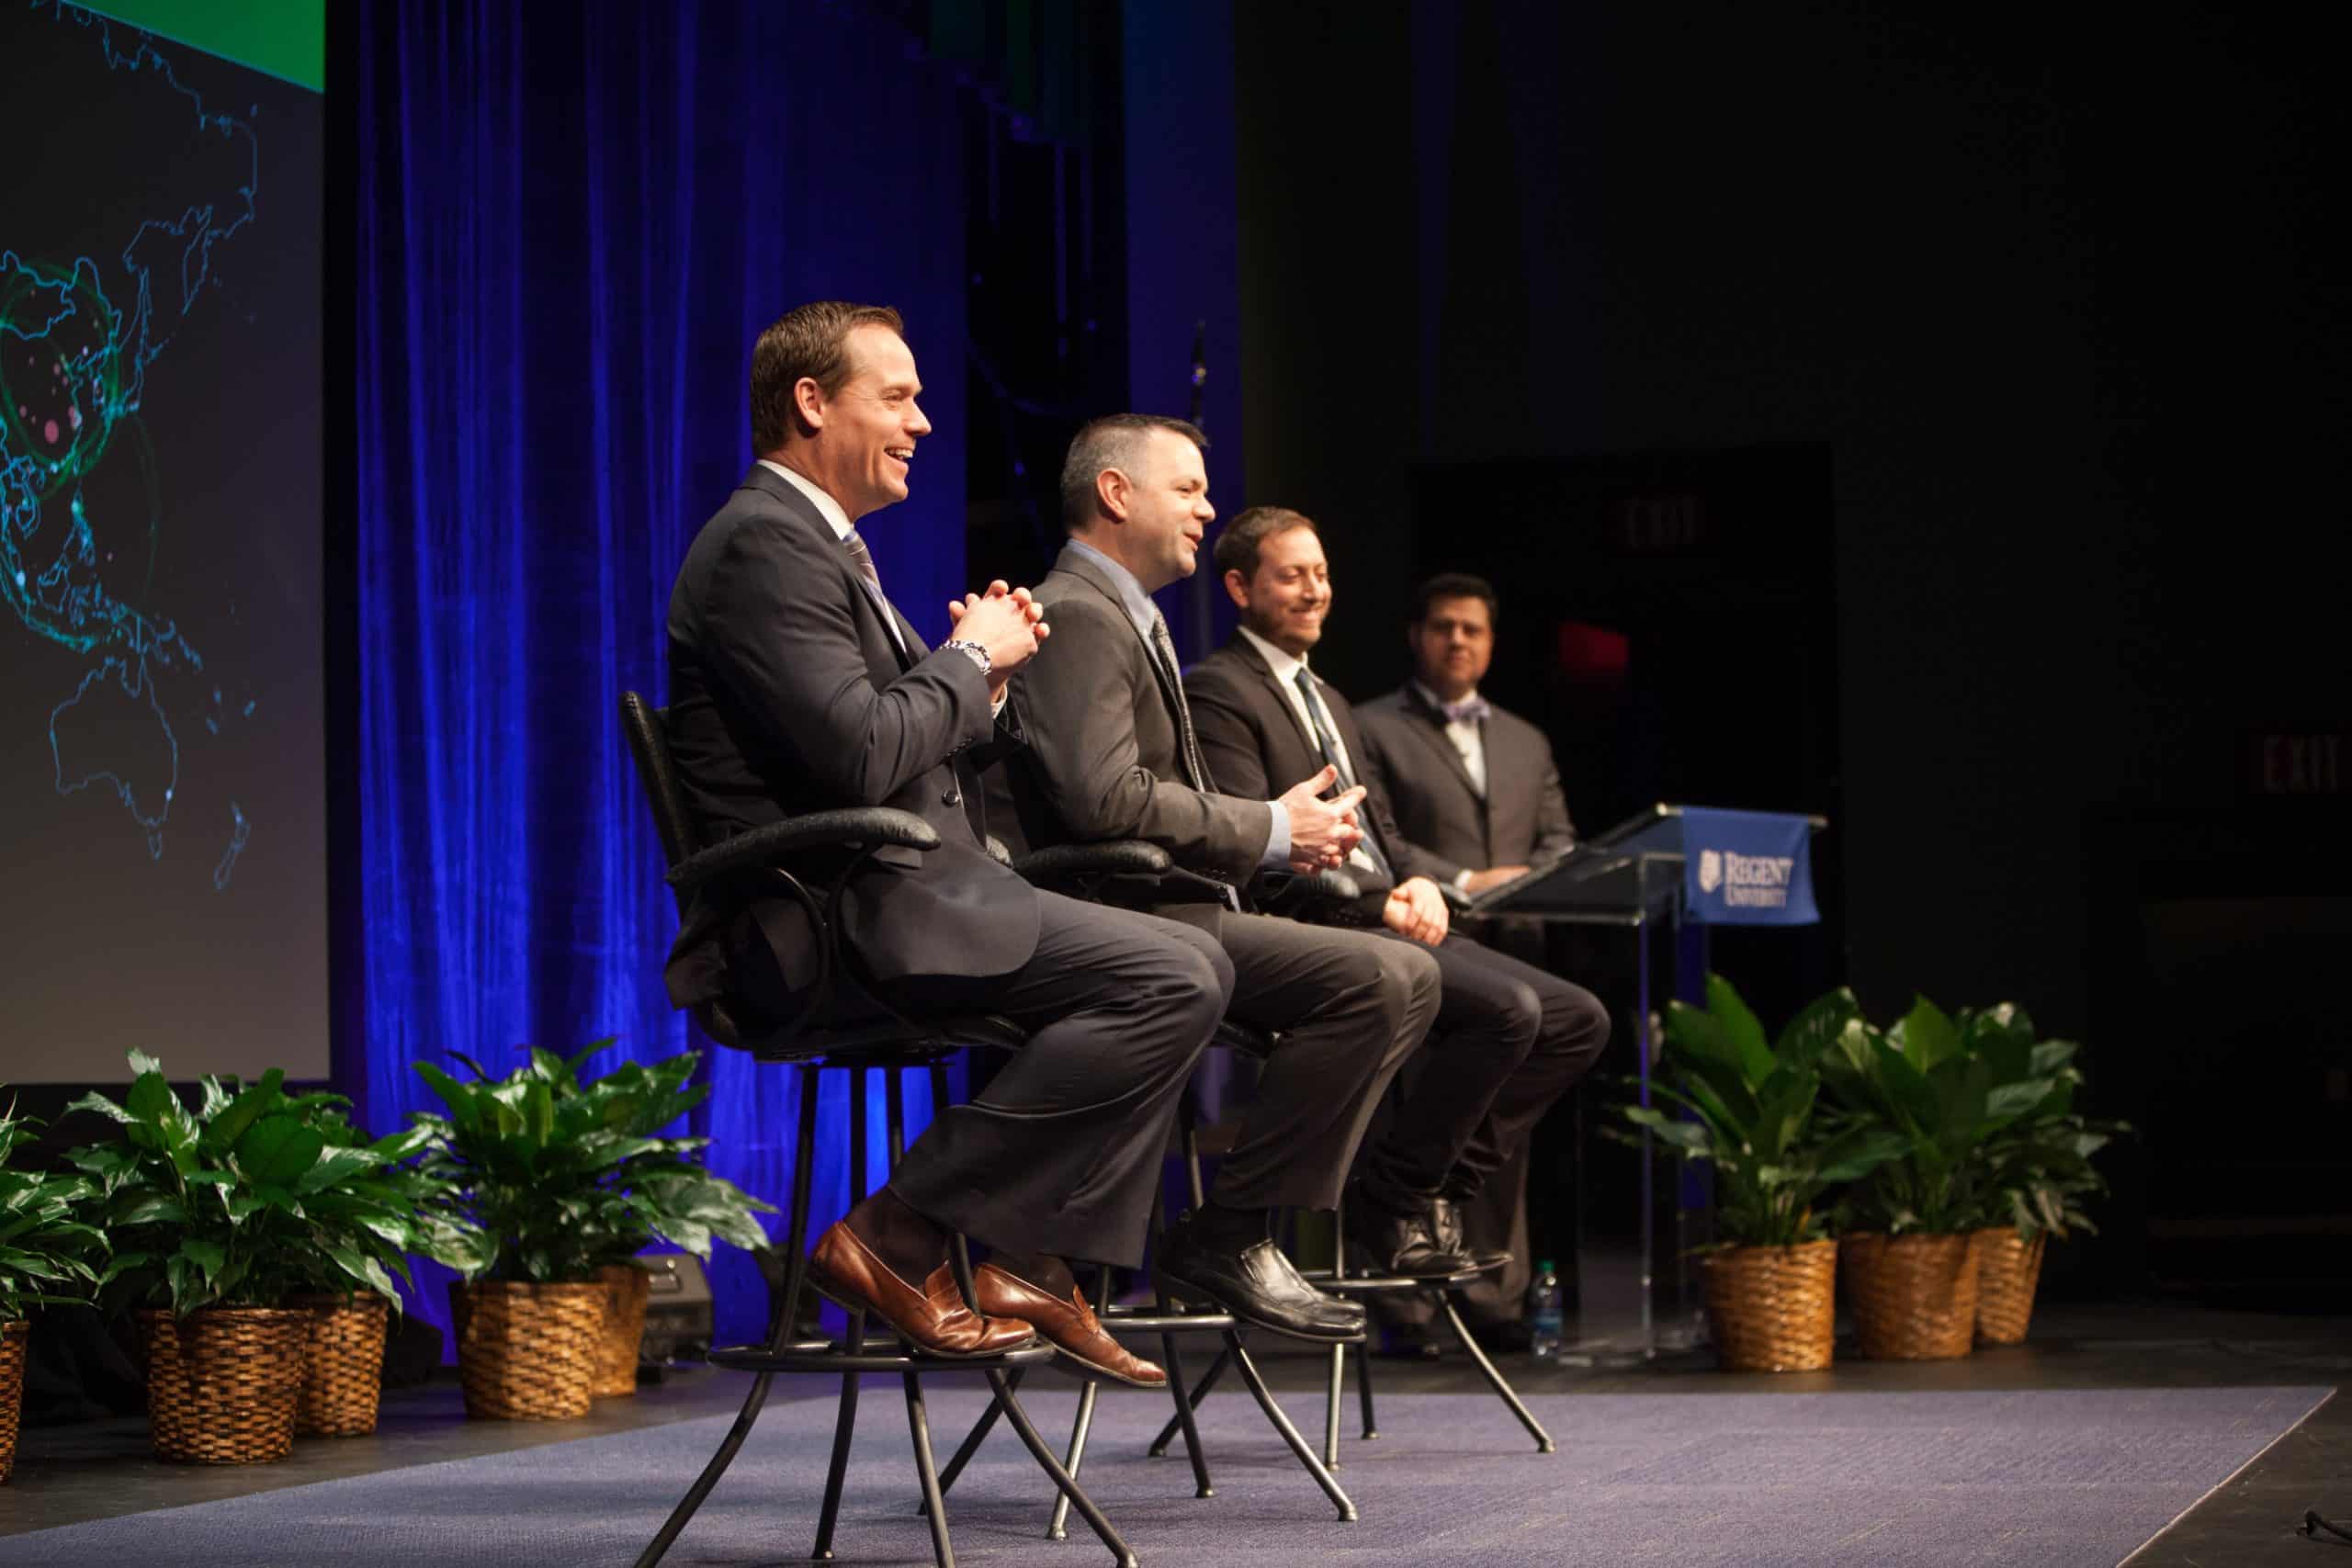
(812, 1044)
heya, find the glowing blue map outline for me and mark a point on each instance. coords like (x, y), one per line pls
(97, 361)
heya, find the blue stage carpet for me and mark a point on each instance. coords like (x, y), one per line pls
(1887, 1480)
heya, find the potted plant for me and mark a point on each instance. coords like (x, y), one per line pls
(2036, 1172)
(566, 1178)
(210, 1214)
(374, 1204)
(46, 1253)
(1750, 1102)
(1908, 1251)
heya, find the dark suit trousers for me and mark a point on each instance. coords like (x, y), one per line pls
(1350, 1006)
(1061, 1151)
(1510, 1040)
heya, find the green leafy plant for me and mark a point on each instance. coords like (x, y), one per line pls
(254, 1195)
(2036, 1172)
(1946, 1102)
(1751, 1103)
(46, 1251)
(564, 1176)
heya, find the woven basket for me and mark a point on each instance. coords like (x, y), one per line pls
(625, 1288)
(344, 1370)
(527, 1352)
(222, 1383)
(12, 1389)
(1772, 1309)
(2008, 1271)
(1914, 1297)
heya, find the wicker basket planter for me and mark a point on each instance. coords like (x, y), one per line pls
(527, 1352)
(343, 1374)
(625, 1288)
(222, 1383)
(2008, 1271)
(12, 1389)
(1772, 1309)
(1914, 1297)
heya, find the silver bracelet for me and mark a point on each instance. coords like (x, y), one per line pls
(979, 655)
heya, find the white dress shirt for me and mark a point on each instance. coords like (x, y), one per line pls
(1287, 666)
(1467, 741)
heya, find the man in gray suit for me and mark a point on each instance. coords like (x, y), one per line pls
(796, 687)
(1112, 754)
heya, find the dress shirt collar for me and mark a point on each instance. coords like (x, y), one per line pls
(827, 507)
(1139, 604)
(1285, 666)
(1446, 710)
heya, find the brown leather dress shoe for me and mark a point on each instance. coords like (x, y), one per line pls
(1070, 1327)
(932, 1320)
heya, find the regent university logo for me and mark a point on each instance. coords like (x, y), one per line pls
(1748, 882)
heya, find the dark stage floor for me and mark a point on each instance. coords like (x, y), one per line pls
(100, 1469)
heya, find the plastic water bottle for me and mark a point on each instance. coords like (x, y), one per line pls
(1544, 1311)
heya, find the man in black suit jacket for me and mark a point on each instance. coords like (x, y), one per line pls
(1509, 1038)
(1111, 755)
(795, 685)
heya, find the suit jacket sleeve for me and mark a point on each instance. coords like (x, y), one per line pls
(780, 630)
(1555, 835)
(1078, 700)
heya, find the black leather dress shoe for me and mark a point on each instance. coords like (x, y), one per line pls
(1257, 1285)
(1400, 1244)
(1445, 1224)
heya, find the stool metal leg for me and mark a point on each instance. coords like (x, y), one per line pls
(1323, 1477)
(976, 1436)
(795, 1273)
(1188, 1403)
(1057, 1527)
(934, 1504)
(1364, 1392)
(1331, 1397)
(845, 1422)
(1510, 1396)
(1194, 1449)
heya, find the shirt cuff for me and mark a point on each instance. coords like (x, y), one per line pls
(1462, 879)
(1278, 840)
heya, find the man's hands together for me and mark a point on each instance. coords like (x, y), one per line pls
(1321, 831)
(1004, 620)
(1415, 908)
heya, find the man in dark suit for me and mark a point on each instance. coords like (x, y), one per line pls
(795, 685)
(1509, 1038)
(1111, 755)
(1475, 786)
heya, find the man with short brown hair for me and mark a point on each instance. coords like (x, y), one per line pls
(1509, 1038)
(796, 687)
(1111, 755)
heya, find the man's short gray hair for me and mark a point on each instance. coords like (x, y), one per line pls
(1114, 441)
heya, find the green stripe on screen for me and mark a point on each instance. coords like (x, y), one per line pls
(285, 39)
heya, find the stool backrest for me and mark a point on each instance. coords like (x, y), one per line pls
(648, 729)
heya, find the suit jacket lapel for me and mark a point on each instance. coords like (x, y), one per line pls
(1431, 729)
(1086, 571)
(1282, 696)
(767, 484)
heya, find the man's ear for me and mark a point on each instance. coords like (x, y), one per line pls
(808, 402)
(1236, 588)
(1112, 491)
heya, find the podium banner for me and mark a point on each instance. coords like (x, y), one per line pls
(1747, 868)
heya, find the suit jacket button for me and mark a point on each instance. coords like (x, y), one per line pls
(952, 797)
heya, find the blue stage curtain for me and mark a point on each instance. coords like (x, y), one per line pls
(568, 236)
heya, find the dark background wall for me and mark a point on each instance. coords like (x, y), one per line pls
(2055, 290)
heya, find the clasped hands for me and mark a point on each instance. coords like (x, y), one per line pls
(1006, 621)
